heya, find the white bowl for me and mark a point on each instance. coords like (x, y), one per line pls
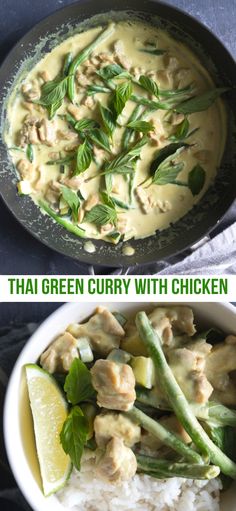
(17, 433)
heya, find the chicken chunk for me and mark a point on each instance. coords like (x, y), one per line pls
(121, 56)
(31, 91)
(188, 368)
(219, 364)
(26, 170)
(103, 331)
(108, 425)
(59, 356)
(166, 319)
(118, 463)
(29, 131)
(115, 384)
(47, 133)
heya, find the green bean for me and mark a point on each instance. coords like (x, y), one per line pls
(84, 56)
(162, 469)
(65, 223)
(177, 399)
(164, 435)
(216, 412)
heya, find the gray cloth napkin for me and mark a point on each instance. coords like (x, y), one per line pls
(215, 254)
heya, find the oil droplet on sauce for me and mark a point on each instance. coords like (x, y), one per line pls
(89, 247)
(128, 250)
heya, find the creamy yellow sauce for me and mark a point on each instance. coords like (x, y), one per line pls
(177, 68)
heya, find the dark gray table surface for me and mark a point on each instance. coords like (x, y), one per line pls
(19, 252)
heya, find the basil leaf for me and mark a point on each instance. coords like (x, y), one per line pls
(124, 159)
(108, 119)
(142, 126)
(182, 132)
(201, 102)
(52, 109)
(196, 179)
(153, 52)
(111, 71)
(135, 150)
(108, 182)
(101, 215)
(99, 138)
(121, 96)
(149, 84)
(78, 386)
(167, 175)
(165, 153)
(120, 203)
(106, 199)
(62, 161)
(30, 153)
(84, 158)
(53, 92)
(72, 199)
(85, 124)
(74, 435)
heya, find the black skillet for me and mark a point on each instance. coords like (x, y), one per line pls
(207, 213)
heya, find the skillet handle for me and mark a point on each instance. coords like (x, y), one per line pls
(116, 271)
(200, 243)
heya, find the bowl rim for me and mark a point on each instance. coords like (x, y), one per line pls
(11, 404)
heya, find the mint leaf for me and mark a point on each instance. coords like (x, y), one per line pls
(108, 119)
(74, 435)
(149, 84)
(72, 199)
(101, 215)
(196, 179)
(100, 139)
(201, 102)
(142, 126)
(121, 96)
(84, 158)
(78, 386)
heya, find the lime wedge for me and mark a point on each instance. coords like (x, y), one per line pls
(49, 410)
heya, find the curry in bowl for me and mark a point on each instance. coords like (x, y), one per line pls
(140, 409)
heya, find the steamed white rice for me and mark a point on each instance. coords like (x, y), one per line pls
(85, 492)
